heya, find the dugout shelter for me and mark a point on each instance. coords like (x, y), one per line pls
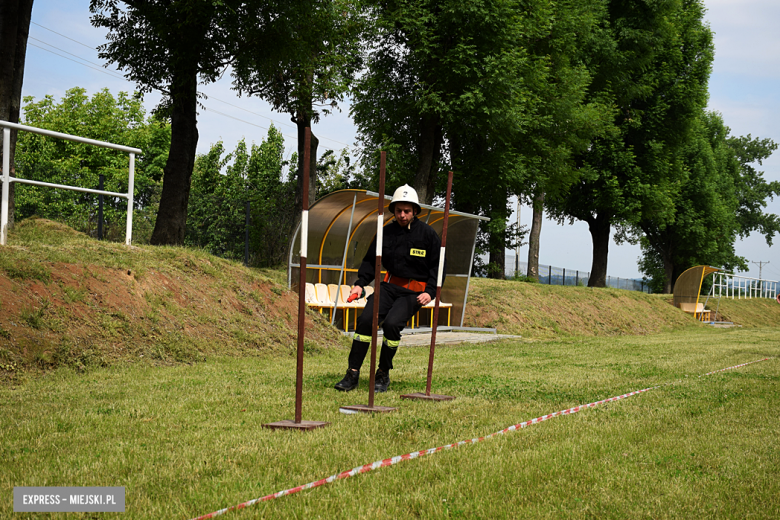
(687, 291)
(342, 225)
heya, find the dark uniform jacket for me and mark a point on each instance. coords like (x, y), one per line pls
(409, 252)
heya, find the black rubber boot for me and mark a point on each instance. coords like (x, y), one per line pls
(350, 381)
(381, 381)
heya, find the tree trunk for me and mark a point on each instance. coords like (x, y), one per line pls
(497, 237)
(302, 121)
(600, 228)
(429, 150)
(668, 272)
(498, 263)
(533, 239)
(14, 29)
(171, 221)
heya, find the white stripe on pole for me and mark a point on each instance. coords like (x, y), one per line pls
(305, 234)
(380, 220)
(441, 267)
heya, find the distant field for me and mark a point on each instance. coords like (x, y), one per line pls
(186, 440)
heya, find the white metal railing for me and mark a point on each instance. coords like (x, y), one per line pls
(735, 286)
(7, 179)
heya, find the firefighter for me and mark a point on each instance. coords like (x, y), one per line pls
(410, 255)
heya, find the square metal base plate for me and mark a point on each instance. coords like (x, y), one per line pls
(364, 408)
(292, 425)
(432, 397)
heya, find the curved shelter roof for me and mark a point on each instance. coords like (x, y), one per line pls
(687, 288)
(342, 225)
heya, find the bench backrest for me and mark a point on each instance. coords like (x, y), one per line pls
(692, 307)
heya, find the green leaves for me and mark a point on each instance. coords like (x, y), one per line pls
(720, 197)
(119, 120)
(222, 184)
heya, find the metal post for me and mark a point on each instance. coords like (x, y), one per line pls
(549, 275)
(442, 255)
(380, 221)
(6, 184)
(468, 279)
(246, 236)
(130, 184)
(101, 179)
(298, 423)
(577, 278)
(344, 263)
(517, 246)
(564, 276)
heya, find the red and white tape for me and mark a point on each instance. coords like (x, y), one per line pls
(395, 460)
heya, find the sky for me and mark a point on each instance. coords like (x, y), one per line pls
(743, 88)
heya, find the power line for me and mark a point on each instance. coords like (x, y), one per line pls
(74, 55)
(243, 121)
(115, 75)
(67, 37)
(74, 61)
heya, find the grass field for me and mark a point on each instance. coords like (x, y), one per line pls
(186, 440)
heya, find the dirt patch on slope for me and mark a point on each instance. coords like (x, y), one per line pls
(167, 305)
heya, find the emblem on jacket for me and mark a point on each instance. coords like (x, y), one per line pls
(417, 252)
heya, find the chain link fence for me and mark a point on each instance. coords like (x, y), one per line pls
(552, 275)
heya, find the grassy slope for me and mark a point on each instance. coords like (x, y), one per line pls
(757, 312)
(66, 299)
(69, 300)
(543, 311)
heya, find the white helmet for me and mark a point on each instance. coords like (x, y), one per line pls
(405, 194)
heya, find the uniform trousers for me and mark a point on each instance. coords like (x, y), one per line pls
(396, 306)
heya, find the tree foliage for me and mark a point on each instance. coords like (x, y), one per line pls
(311, 75)
(721, 198)
(448, 86)
(169, 46)
(654, 71)
(223, 183)
(103, 117)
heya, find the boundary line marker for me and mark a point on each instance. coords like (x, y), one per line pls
(416, 454)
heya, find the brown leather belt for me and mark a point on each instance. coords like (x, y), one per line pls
(407, 283)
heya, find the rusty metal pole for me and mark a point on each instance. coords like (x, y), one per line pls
(380, 221)
(302, 279)
(427, 395)
(298, 423)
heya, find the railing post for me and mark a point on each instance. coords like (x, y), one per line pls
(101, 179)
(6, 184)
(246, 236)
(549, 275)
(130, 184)
(564, 276)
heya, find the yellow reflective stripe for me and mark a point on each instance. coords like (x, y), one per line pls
(392, 343)
(360, 337)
